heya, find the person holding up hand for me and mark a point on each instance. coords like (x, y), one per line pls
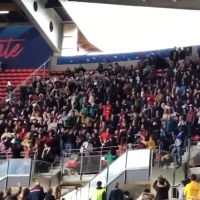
(161, 186)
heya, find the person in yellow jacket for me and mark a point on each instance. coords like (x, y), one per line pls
(192, 189)
(99, 193)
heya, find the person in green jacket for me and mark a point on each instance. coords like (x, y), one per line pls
(109, 157)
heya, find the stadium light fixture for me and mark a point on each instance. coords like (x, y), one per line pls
(2, 12)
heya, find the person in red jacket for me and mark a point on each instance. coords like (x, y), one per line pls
(107, 111)
(190, 119)
(105, 137)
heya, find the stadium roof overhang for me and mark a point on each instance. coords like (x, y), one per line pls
(18, 15)
(178, 4)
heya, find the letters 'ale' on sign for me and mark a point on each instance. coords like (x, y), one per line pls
(23, 47)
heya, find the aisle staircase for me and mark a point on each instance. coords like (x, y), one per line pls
(16, 77)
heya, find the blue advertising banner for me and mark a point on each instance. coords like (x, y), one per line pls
(87, 59)
(22, 47)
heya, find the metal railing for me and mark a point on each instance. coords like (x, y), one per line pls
(122, 166)
(42, 67)
(78, 162)
(13, 171)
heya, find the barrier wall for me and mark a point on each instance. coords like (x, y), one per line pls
(126, 59)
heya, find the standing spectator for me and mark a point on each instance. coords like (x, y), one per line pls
(69, 141)
(191, 116)
(105, 137)
(47, 154)
(116, 193)
(99, 193)
(146, 195)
(176, 151)
(192, 189)
(49, 195)
(10, 196)
(180, 189)
(37, 192)
(107, 111)
(161, 186)
(10, 88)
(173, 56)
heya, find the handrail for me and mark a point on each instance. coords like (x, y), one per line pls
(24, 81)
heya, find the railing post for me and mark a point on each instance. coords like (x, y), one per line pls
(151, 164)
(50, 181)
(125, 172)
(81, 166)
(159, 155)
(101, 154)
(33, 166)
(188, 156)
(32, 160)
(7, 174)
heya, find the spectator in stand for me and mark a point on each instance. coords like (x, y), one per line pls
(116, 193)
(10, 196)
(174, 55)
(49, 195)
(146, 195)
(161, 186)
(192, 189)
(99, 193)
(127, 196)
(1, 195)
(150, 144)
(191, 117)
(181, 188)
(47, 154)
(37, 192)
(26, 194)
(177, 147)
(115, 103)
(107, 110)
(105, 138)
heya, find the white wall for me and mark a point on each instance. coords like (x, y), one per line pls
(41, 20)
(70, 38)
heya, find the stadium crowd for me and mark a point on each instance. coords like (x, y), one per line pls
(34, 193)
(111, 106)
